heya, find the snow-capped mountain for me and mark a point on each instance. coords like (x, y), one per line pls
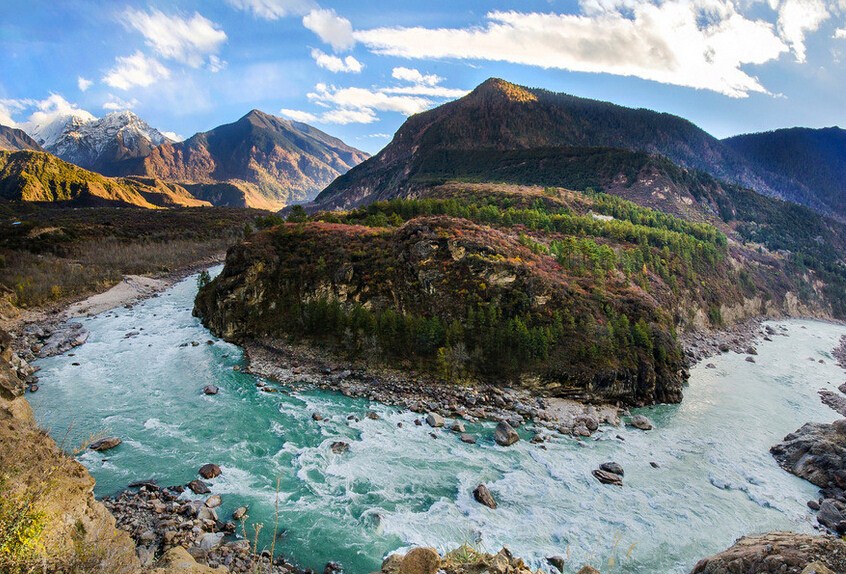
(101, 145)
(52, 128)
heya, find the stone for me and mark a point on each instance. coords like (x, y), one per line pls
(210, 540)
(839, 426)
(316, 417)
(751, 351)
(817, 568)
(213, 501)
(750, 359)
(612, 467)
(105, 443)
(776, 553)
(434, 420)
(391, 564)
(210, 390)
(505, 435)
(710, 366)
(641, 422)
(606, 477)
(421, 561)
(831, 514)
(556, 562)
(199, 487)
(374, 416)
(340, 447)
(588, 421)
(588, 570)
(208, 471)
(467, 438)
(483, 496)
(204, 513)
(240, 513)
(458, 427)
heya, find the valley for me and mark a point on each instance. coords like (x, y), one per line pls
(532, 321)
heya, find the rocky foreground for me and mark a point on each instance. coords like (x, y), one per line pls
(778, 553)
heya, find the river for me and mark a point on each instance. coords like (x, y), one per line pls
(398, 487)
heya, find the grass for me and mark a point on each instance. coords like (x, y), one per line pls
(50, 254)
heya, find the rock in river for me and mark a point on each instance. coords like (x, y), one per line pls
(612, 467)
(105, 443)
(209, 471)
(815, 452)
(199, 487)
(434, 420)
(421, 561)
(641, 422)
(210, 390)
(484, 496)
(340, 447)
(606, 477)
(505, 435)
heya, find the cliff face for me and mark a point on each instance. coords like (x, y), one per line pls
(70, 528)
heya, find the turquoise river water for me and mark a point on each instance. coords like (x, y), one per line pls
(398, 487)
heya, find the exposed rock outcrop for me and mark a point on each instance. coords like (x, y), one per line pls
(777, 553)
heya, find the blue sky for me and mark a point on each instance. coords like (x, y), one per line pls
(357, 69)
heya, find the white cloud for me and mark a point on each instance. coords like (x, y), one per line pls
(336, 64)
(703, 44)
(368, 99)
(173, 136)
(840, 33)
(116, 104)
(333, 29)
(298, 115)
(189, 40)
(414, 75)
(797, 18)
(135, 70)
(40, 123)
(83, 83)
(347, 105)
(272, 9)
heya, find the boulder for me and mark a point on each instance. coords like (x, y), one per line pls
(458, 427)
(421, 561)
(210, 390)
(606, 477)
(177, 561)
(240, 512)
(105, 443)
(588, 570)
(316, 417)
(213, 501)
(484, 496)
(340, 447)
(556, 562)
(434, 420)
(505, 435)
(199, 487)
(208, 471)
(210, 540)
(641, 422)
(467, 438)
(612, 467)
(815, 452)
(374, 416)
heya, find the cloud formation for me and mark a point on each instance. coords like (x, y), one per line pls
(189, 40)
(83, 83)
(273, 9)
(336, 64)
(331, 28)
(354, 105)
(135, 70)
(116, 104)
(703, 44)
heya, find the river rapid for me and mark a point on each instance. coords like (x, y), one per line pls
(398, 487)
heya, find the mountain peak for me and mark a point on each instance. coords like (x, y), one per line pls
(500, 88)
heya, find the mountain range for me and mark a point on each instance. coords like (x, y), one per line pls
(273, 161)
(258, 161)
(502, 126)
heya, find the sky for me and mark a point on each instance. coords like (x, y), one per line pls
(356, 70)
